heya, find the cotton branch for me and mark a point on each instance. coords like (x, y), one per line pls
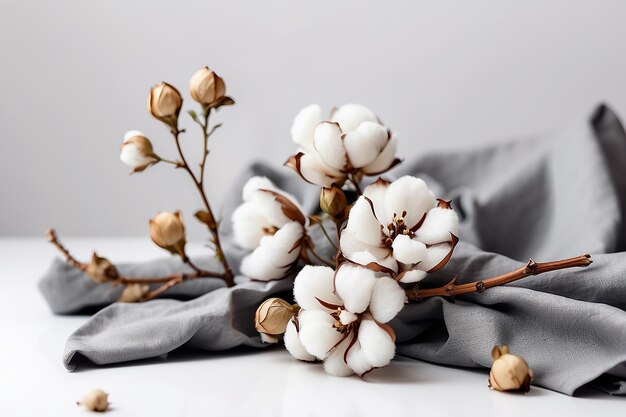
(115, 278)
(453, 289)
(210, 221)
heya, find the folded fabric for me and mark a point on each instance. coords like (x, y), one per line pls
(546, 198)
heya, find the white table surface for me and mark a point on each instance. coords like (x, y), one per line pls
(33, 382)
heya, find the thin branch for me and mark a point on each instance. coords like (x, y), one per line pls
(321, 225)
(228, 275)
(51, 235)
(166, 286)
(168, 161)
(356, 184)
(338, 255)
(205, 144)
(311, 249)
(453, 289)
(124, 280)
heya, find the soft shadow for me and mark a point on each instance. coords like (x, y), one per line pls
(182, 354)
(397, 372)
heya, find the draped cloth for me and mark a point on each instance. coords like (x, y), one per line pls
(548, 197)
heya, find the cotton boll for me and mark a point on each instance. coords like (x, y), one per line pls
(365, 143)
(407, 250)
(409, 194)
(357, 361)
(434, 255)
(254, 184)
(267, 204)
(317, 333)
(362, 257)
(412, 276)
(329, 145)
(351, 244)
(294, 346)
(274, 254)
(354, 285)
(334, 363)
(385, 160)
(376, 194)
(438, 225)
(350, 116)
(315, 281)
(377, 345)
(364, 224)
(248, 225)
(314, 171)
(388, 298)
(346, 317)
(304, 125)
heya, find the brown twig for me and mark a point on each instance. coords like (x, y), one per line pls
(228, 275)
(356, 184)
(166, 286)
(453, 289)
(52, 237)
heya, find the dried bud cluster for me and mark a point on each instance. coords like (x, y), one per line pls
(168, 232)
(509, 372)
(208, 89)
(137, 151)
(271, 318)
(333, 201)
(101, 269)
(164, 103)
(96, 400)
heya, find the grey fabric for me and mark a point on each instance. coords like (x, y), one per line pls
(548, 197)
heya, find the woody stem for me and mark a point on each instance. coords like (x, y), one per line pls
(228, 275)
(311, 248)
(166, 286)
(325, 232)
(124, 280)
(453, 289)
(356, 184)
(51, 235)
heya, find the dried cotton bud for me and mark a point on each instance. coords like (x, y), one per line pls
(133, 293)
(271, 318)
(168, 231)
(101, 269)
(509, 372)
(208, 89)
(137, 151)
(96, 400)
(333, 201)
(164, 103)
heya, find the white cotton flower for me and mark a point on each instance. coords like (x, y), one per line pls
(330, 321)
(352, 142)
(271, 224)
(314, 280)
(294, 346)
(275, 254)
(401, 227)
(137, 151)
(387, 295)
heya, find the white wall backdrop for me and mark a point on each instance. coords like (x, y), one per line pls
(75, 76)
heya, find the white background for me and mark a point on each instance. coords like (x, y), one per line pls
(75, 76)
